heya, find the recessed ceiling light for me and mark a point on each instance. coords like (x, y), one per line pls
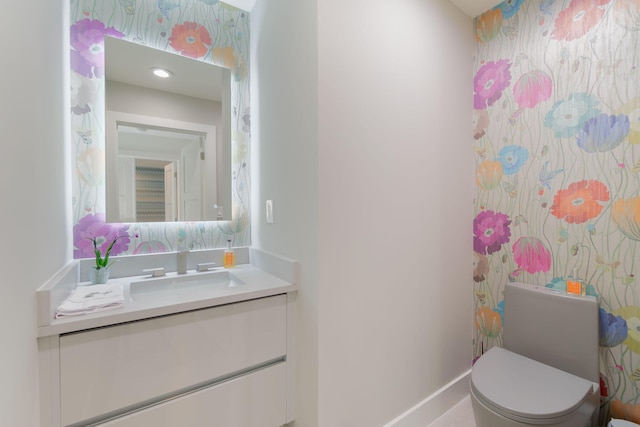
(161, 72)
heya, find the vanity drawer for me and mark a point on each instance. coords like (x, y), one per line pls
(253, 400)
(106, 370)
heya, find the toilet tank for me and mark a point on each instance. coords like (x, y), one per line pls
(552, 327)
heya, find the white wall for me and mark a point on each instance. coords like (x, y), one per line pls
(377, 204)
(284, 144)
(395, 175)
(35, 238)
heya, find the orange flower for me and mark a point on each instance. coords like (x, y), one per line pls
(224, 56)
(626, 215)
(488, 322)
(488, 25)
(578, 203)
(578, 19)
(625, 411)
(489, 174)
(190, 39)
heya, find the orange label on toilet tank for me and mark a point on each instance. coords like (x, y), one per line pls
(573, 287)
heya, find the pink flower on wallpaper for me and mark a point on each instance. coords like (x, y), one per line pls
(578, 19)
(532, 88)
(489, 82)
(531, 255)
(87, 46)
(490, 231)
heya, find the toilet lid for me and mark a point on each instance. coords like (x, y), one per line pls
(518, 387)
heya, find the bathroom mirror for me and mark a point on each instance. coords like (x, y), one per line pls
(167, 140)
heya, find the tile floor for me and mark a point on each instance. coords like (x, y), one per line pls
(461, 415)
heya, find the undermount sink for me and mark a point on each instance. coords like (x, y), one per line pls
(187, 283)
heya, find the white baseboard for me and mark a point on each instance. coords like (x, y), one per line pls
(427, 411)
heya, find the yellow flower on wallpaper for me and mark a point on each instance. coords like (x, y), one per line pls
(488, 322)
(625, 214)
(632, 315)
(632, 110)
(90, 166)
(489, 174)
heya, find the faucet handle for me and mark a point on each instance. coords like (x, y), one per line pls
(206, 266)
(155, 272)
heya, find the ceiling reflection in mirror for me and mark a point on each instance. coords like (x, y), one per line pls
(165, 137)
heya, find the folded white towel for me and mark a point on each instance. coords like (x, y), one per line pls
(90, 299)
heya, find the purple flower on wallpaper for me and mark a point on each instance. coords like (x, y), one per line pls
(87, 43)
(150, 247)
(92, 226)
(489, 82)
(603, 133)
(509, 7)
(512, 158)
(490, 231)
(567, 117)
(532, 88)
(613, 329)
(531, 255)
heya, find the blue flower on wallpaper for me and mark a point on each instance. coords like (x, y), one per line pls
(512, 158)
(509, 7)
(567, 117)
(613, 329)
(603, 133)
(500, 310)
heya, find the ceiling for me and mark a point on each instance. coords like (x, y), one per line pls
(472, 8)
(130, 63)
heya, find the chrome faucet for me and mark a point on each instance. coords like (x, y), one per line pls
(182, 262)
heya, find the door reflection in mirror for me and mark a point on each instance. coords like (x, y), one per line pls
(160, 175)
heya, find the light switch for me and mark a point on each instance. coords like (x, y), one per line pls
(269, 211)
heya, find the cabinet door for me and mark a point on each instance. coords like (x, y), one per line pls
(107, 370)
(253, 400)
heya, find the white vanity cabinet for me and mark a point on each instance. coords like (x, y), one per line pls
(220, 366)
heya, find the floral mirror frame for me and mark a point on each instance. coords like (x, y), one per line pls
(207, 30)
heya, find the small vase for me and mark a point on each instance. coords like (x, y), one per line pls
(98, 276)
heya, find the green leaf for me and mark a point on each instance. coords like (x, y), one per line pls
(574, 250)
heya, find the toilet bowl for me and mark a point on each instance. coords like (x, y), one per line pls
(546, 374)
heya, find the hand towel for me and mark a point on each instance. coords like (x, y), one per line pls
(91, 299)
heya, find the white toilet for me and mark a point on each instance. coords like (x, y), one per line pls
(547, 373)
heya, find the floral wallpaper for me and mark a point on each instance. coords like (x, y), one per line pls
(557, 156)
(207, 30)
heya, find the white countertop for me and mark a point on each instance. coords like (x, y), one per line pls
(247, 282)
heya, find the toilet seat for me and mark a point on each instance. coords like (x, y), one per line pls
(524, 390)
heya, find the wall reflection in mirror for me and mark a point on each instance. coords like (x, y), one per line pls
(167, 139)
